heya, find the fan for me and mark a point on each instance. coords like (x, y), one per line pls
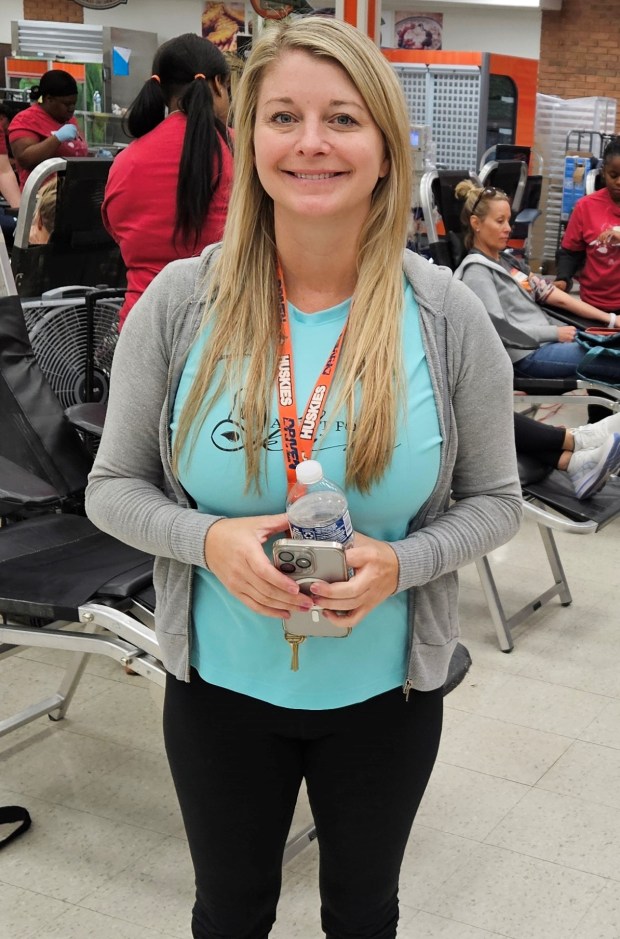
(58, 333)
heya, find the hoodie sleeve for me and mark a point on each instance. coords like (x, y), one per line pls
(487, 505)
(533, 326)
(127, 494)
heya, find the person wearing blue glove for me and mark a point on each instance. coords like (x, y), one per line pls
(47, 128)
(66, 132)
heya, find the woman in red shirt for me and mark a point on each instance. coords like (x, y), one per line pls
(47, 128)
(591, 243)
(167, 192)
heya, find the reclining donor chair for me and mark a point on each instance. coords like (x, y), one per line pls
(65, 585)
(80, 250)
(57, 280)
(548, 497)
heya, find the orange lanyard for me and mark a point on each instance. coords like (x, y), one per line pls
(298, 436)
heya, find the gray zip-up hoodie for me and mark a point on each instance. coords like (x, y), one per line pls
(133, 494)
(522, 325)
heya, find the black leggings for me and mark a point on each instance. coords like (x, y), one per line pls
(542, 441)
(238, 763)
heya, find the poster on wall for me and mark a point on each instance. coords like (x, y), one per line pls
(418, 30)
(221, 22)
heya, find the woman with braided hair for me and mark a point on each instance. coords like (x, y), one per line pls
(167, 193)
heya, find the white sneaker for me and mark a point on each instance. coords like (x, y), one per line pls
(589, 470)
(590, 436)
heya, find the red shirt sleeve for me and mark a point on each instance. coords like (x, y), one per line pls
(572, 239)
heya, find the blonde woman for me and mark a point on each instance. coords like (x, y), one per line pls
(44, 214)
(197, 457)
(538, 345)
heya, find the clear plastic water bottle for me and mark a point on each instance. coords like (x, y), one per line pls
(317, 508)
(97, 101)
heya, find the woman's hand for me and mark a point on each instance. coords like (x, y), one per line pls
(376, 578)
(560, 284)
(611, 236)
(234, 553)
(566, 333)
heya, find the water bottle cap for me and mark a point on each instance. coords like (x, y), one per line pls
(309, 471)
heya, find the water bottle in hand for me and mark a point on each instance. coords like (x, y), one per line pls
(317, 508)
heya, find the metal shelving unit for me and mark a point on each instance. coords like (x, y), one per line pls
(556, 120)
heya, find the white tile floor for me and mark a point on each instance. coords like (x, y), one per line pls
(518, 835)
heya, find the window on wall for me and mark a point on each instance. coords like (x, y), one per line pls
(502, 114)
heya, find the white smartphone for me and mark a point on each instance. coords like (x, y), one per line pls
(306, 562)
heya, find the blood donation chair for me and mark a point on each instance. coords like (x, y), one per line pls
(80, 250)
(442, 209)
(65, 585)
(442, 215)
(549, 501)
(548, 497)
(57, 281)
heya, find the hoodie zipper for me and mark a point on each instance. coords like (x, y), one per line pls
(421, 515)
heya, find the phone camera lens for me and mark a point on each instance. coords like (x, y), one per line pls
(304, 563)
(286, 555)
(287, 568)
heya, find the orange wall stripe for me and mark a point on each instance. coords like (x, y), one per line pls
(439, 57)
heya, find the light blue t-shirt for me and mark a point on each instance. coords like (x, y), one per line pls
(235, 648)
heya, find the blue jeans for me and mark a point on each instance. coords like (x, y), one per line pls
(562, 360)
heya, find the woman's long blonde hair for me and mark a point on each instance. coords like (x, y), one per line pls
(242, 310)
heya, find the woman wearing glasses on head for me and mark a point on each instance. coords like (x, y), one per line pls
(538, 346)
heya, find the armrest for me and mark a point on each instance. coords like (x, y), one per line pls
(20, 488)
(527, 216)
(87, 417)
(571, 319)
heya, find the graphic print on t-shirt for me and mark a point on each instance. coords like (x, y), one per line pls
(227, 434)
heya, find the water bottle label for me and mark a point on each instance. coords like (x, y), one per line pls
(339, 530)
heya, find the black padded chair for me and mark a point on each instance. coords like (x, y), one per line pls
(549, 501)
(80, 250)
(57, 570)
(437, 199)
(548, 498)
(508, 175)
(509, 170)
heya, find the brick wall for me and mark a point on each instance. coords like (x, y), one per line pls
(580, 51)
(58, 11)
